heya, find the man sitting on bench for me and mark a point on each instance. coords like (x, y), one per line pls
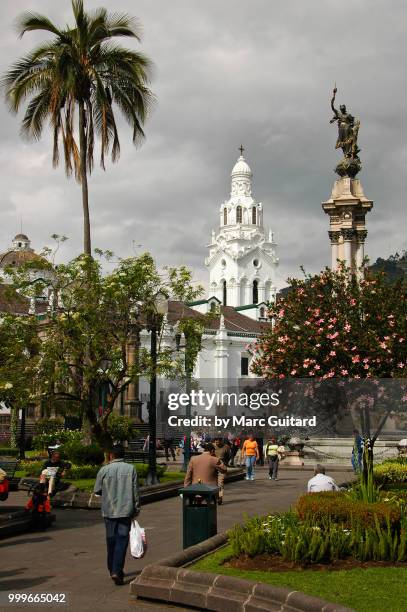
(52, 470)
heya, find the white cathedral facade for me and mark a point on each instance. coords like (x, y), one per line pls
(242, 265)
(242, 260)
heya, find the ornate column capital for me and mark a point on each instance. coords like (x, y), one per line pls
(334, 236)
(348, 234)
(361, 235)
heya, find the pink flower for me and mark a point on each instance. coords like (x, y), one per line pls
(347, 327)
(293, 372)
(355, 359)
(332, 354)
(352, 302)
(344, 372)
(317, 367)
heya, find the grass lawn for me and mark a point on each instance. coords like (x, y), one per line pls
(365, 590)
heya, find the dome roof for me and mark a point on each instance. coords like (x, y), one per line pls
(241, 167)
(19, 258)
(20, 237)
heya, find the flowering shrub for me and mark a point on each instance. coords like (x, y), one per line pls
(330, 325)
(334, 507)
(390, 472)
(303, 542)
(48, 438)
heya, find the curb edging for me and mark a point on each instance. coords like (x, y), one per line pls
(170, 581)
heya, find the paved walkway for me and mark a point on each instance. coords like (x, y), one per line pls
(70, 557)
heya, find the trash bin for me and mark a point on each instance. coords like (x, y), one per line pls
(199, 517)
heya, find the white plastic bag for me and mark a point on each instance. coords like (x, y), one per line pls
(138, 543)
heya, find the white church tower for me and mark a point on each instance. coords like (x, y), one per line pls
(242, 261)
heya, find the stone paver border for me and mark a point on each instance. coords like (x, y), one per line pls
(170, 581)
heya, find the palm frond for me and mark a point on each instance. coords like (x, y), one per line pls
(30, 22)
(35, 115)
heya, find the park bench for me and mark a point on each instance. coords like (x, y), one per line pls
(9, 466)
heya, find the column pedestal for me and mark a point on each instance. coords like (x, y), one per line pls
(347, 208)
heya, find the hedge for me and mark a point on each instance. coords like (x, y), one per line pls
(336, 507)
(6, 451)
(390, 472)
(77, 472)
(80, 454)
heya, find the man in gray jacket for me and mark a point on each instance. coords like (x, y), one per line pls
(116, 482)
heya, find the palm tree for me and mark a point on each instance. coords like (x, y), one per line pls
(75, 81)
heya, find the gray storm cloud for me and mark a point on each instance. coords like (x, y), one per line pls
(227, 72)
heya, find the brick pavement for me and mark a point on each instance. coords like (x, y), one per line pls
(70, 557)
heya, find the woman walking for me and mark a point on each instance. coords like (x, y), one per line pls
(250, 452)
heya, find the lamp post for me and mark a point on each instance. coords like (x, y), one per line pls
(188, 377)
(22, 435)
(160, 308)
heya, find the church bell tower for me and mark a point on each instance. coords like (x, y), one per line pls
(242, 261)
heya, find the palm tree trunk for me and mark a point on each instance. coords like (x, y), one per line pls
(84, 180)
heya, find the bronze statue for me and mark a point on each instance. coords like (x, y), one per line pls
(348, 129)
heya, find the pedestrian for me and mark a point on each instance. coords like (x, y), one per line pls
(321, 482)
(357, 451)
(204, 468)
(116, 482)
(235, 446)
(250, 453)
(169, 446)
(272, 456)
(222, 452)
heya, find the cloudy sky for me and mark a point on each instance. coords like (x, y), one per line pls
(258, 73)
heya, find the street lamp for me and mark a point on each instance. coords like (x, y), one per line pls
(188, 378)
(154, 322)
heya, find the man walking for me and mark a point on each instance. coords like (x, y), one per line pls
(204, 468)
(222, 452)
(250, 452)
(116, 482)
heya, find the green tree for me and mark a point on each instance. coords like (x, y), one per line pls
(75, 82)
(19, 354)
(94, 318)
(352, 331)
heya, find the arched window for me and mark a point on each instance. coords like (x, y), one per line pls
(225, 216)
(224, 293)
(239, 214)
(262, 313)
(255, 292)
(254, 215)
(213, 306)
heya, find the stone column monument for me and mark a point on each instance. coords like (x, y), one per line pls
(348, 205)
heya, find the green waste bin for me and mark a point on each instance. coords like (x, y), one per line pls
(199, 506)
